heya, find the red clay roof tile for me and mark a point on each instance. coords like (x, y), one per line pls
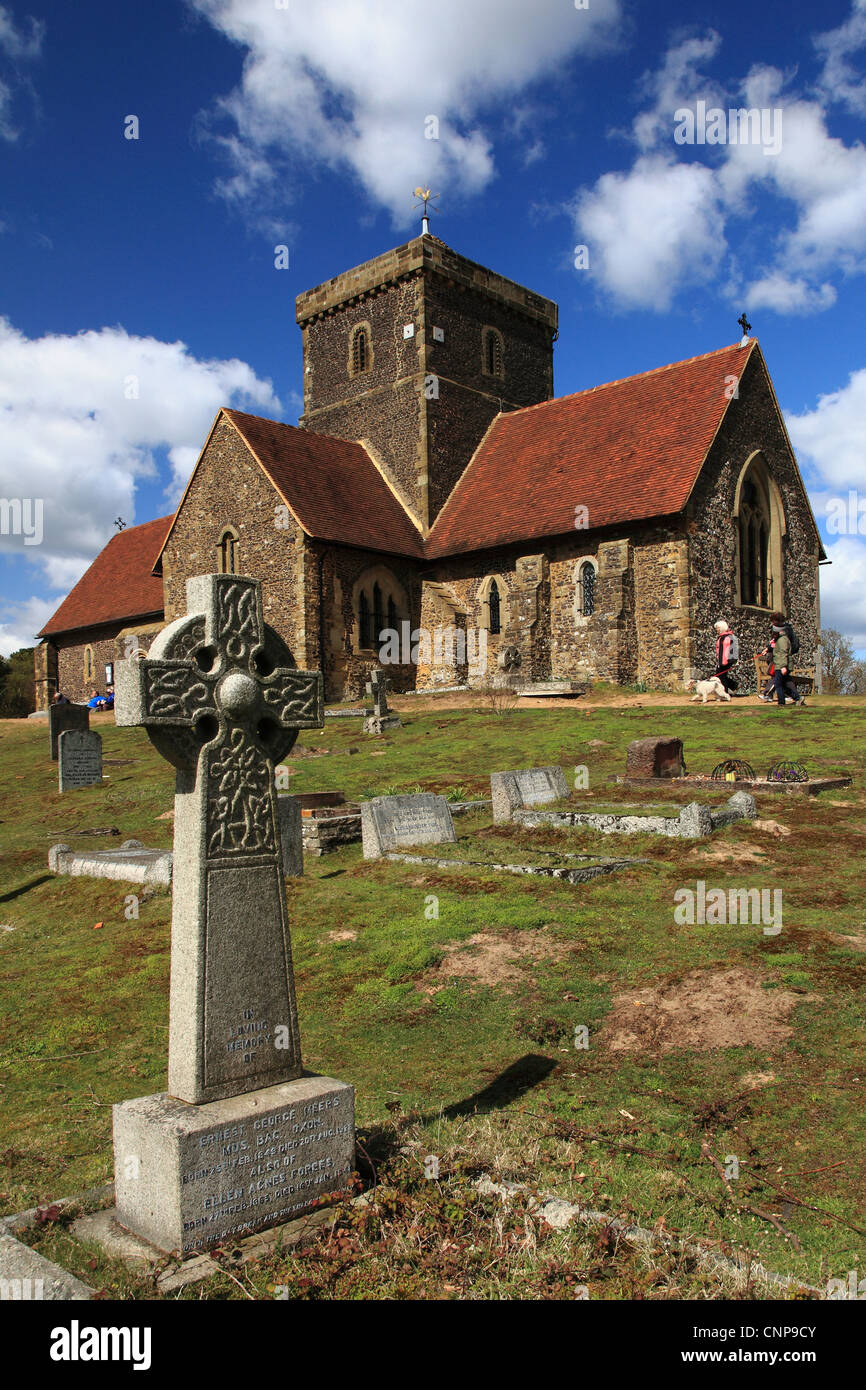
(118, 585)
(332, 486)
(627, 451)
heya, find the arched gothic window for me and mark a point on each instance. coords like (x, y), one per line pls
(493, 353)
(89, 664)
(586, 577)
(364, 620)
(755, 536)
(228, 552)
(393, 617)
(495, 625)
(378, 614)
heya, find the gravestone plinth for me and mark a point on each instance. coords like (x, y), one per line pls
(531, 786)
(221, 699)
(62, 717)
(400, 822)
(79, 759)
(655, 757)
(190, 1176)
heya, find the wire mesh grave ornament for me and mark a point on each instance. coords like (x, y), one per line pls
(787, 771)
(733, 770)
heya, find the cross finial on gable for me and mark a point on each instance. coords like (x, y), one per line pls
(744, 324)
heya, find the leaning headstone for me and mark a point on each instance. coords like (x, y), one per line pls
(61, 717)
(381, 719)
(243, 1139)
(79, 759)
(655, 757)
(531, 786)
(397, 822)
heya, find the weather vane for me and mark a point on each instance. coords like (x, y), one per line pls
(119, 523)
(744, 324)
(426, 197)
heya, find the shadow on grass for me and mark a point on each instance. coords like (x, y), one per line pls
(25, 888)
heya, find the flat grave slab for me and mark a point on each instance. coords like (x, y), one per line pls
(690, 823)
(132, 863)
(396, 822)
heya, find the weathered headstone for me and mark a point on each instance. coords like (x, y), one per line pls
(397, 822)
(79, 759)
(243, 1139)
(655, 757)
(531, 786)
(62, 717)
(381, 718)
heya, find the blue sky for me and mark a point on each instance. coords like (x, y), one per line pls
(138, 290)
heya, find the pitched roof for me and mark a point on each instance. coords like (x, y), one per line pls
(627, 451)
(118, 585)
(332, 485)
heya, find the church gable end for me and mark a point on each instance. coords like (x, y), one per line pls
(753, 542)
(232, 515)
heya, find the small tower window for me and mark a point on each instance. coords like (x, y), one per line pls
(493, 353)
(360, 350)
(493, 601)
(228, 552)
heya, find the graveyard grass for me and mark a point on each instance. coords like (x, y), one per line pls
(464, 1049)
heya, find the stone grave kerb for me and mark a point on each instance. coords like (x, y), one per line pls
(221, 699)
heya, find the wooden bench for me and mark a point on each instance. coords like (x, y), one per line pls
(803, 678)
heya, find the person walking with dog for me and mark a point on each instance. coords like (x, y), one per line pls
(727, 656)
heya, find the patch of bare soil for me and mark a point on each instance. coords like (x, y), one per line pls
(729, 854)
(753, 1080)
(487, 959)
(857, 943)
(705, 1010)
(342, 936)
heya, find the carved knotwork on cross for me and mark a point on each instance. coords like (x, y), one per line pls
(222, 700)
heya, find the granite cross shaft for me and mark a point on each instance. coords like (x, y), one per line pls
(222, 700)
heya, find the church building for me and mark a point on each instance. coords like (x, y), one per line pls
(438, 510)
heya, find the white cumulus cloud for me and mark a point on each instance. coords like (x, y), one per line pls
(350, 86)
(80, 419)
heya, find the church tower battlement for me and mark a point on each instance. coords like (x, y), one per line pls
(416, 351)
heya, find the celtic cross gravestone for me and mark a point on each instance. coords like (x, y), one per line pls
(221, 699)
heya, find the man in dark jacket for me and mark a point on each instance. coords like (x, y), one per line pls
(782, 663)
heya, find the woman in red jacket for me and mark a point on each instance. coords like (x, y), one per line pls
(727, 656)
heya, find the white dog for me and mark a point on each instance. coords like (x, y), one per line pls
(712, 686)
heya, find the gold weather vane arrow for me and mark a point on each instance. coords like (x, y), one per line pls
(426, 197)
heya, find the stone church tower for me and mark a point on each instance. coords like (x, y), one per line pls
(414, 353)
